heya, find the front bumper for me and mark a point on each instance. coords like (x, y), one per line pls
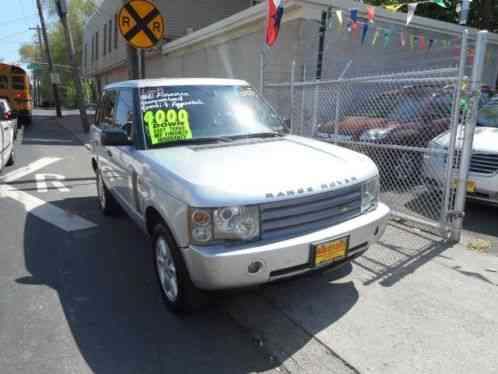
(486, 184)
(220, 267)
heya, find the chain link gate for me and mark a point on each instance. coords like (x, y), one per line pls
(416, 125)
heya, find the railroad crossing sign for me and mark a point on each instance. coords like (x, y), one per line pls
(141, 23)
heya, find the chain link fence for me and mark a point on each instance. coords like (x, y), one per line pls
(410, 122)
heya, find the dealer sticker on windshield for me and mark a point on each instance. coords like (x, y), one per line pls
(167, 113)
(165, 126)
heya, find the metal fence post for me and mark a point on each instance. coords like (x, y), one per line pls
(316, 95)
(303, 103)
(454, 126)
(261, 73)
(292, 103)
(470, 124)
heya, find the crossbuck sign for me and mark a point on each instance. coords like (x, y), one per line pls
(141, 24)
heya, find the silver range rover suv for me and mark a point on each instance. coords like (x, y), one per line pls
(206, 169)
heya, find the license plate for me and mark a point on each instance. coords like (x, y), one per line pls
(471, 186)
(330, 251)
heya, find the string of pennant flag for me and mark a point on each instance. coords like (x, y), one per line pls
(384, 36)
(420, 41)
(412, 7)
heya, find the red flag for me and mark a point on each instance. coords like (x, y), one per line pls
(371, 13)
(421, 42)
(275, 14)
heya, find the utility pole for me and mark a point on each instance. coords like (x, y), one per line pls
(49, 60)
(40, 59)
(62, 10)
(133, 71)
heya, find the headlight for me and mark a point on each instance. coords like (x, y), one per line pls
(370, 194)
(229, 223)
(375, 134)
(438, 153)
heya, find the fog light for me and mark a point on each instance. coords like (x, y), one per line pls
(255, 267)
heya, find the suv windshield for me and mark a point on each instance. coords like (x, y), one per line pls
(178, 114)
(18, 83)
(488, 115)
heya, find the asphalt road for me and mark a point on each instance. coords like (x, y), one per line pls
(77, 290)
(78, 293)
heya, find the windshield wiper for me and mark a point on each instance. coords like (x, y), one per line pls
(197, 141)
(262, 135)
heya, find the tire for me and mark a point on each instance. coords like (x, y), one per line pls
(177, 289)
(107, 203)
(12, 159)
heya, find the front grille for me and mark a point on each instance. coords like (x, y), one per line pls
(299, 216)
(484, 163)
(480, 163)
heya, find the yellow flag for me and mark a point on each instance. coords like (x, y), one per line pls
(394, 8)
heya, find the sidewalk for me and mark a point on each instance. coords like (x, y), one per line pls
(411, 304)
(72, 123)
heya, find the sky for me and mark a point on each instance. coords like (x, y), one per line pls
(15, 20)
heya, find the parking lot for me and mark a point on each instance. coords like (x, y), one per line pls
(78, 292)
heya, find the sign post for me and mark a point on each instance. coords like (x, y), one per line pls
(142, 26)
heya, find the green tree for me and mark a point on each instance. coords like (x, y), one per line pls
(78, 12)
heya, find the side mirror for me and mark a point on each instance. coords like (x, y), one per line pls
(114, 137)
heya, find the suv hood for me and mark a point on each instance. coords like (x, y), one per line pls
(255, 171)
(485, 139)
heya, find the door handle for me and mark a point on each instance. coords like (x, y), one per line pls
(109, 153)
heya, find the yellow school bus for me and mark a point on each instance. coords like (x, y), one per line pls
(15, 87)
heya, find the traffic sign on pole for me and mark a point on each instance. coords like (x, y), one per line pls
(141, 24)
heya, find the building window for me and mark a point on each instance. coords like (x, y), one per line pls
(97, 46)
(110, 36)
(105, 40)
(116, 33)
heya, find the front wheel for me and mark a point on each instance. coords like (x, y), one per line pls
(12, 159)
(178, 292)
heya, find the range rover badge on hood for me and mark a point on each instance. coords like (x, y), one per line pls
(307, 190)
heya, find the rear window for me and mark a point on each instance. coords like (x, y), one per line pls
(18, 83)
(17, 70)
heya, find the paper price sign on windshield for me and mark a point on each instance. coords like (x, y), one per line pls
(166, 126)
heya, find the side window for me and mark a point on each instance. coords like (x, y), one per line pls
(107, 107)
(125, 112)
